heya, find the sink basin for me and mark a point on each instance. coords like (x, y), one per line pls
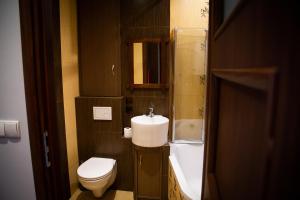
(149, 131)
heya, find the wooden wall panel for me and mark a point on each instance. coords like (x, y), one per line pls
(104, 138)
(256, 35)
(237, 132)
(240, 139)
(40, 33)
(140, 105)
(147, 13)
(140, 20)
(136, 19)
(99, 47)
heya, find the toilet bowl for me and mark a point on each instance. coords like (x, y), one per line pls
(97, 174)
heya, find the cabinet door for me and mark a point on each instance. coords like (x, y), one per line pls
(99, 47)
(149, 171)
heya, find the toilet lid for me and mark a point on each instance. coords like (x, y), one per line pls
(95, 167)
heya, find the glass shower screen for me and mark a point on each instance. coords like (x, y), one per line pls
(190, 57)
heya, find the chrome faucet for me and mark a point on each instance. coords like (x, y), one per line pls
(151, 114)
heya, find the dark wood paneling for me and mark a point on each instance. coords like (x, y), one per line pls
(134, 33)
(237, 132)
(151, 172)
(252, 38)
(99, 47)
(40, 31)
(97, 52)
(240, 143)
(104, 138)
(28, 13)
(147, 13)
(144, 20)
(140, 106)
(160, 105)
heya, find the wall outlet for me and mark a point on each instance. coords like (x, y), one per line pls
(102, 113)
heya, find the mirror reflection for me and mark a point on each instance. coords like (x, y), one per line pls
(146, 63)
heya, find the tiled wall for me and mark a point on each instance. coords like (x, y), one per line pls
(189, 14)
(69, 54)
(190, 18)
(189, 22)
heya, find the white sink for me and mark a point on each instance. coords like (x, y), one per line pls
(149, 131)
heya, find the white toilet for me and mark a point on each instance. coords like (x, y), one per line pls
(97, 174)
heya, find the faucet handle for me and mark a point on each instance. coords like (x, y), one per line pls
(151, 114)
(151, 109)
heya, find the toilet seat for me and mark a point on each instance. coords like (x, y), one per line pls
(96, 168)
(95, 179)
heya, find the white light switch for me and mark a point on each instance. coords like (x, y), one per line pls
(102, 113)
(9, 128)
(12, 129)
(2, 133)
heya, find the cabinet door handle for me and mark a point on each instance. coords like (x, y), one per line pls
(140, 160)
(113, 69)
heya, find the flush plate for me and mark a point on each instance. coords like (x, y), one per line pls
(102, 113)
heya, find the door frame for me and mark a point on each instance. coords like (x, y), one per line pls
(216, 26)
(40, 35)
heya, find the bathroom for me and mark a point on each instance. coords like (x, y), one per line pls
(148, 99)
(92, 79)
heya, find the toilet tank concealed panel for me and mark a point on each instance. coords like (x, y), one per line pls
(103, 138)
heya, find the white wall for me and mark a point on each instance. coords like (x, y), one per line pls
(16, 175)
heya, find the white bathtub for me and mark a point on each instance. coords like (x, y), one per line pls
(187, 163)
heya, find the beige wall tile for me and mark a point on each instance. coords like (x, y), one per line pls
(188, 107)
(190, 17)
(188, 13)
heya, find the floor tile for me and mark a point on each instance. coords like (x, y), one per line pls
(109, 195)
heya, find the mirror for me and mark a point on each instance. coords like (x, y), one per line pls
(146, 63)
(148, 60)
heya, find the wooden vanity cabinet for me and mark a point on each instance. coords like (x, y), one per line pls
(150, 172)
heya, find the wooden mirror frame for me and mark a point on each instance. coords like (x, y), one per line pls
(164, 64)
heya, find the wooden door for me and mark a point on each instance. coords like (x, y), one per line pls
(148, 172)
(253, 109)
(44, 97)
(99, 47)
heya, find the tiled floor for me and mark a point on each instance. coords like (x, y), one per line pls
(109, 195)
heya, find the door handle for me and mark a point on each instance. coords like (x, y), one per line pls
(140, 160)
(113, 69)
(46, 149)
